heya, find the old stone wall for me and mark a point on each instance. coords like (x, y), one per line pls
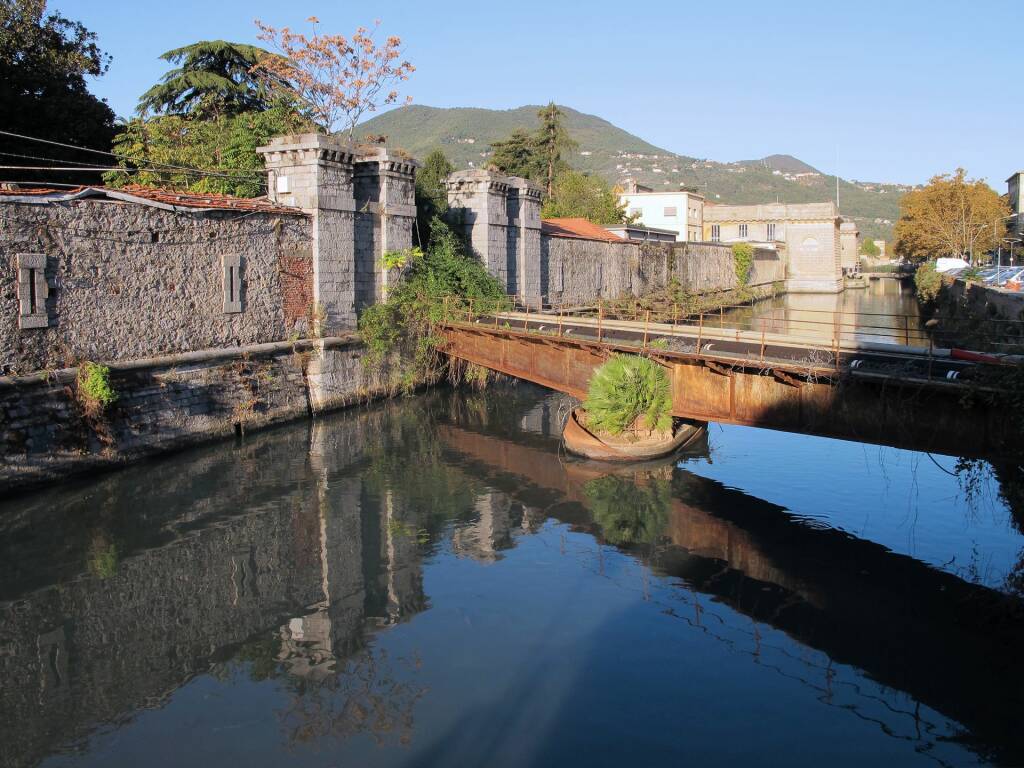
(171, 402)
(578, 271)
(128, 281)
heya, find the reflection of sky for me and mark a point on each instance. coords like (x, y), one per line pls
(899, 499)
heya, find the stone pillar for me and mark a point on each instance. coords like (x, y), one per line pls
(314, 172)
(385, 195)
(524, 198)
(849, 240)
(478, 209)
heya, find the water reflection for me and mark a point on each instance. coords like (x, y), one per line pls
(884, 312)
(287, 560)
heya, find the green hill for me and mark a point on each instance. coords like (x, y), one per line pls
(465, 136)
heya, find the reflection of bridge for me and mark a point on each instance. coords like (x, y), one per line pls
(952, 645)
(888, 394)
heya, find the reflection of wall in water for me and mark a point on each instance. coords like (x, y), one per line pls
(202, 577)
(492, 530)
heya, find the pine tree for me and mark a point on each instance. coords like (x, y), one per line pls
(551, 141)
(212, 78)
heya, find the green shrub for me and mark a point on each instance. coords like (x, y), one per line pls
(927, 282)
(93, 388)
(629, 392)
(442, 274)
(743, 261)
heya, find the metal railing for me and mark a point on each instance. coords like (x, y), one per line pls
(814, 327)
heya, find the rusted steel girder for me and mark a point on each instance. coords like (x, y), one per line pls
(912, 414)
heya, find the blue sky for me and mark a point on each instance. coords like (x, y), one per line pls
(897, 91)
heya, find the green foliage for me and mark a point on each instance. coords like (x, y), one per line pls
(44, 62)
(628, 392)
(868, 248)
(518, 155)
(579, 195)
(420, 129)
(627, 512)
(214, 78)
(444, 276)
(551, 141)
(93, 387)
(927, 282)
(401, 259)
(224, 145)
(743, 261)
(431, 196)
(103, 559)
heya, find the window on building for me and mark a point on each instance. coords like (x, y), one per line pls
(743, 230)
(32, 291)
(635, 212)
(232, 283)
(771, 232)
(671, 212)
(716, 233)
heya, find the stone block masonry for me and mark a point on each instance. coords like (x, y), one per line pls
(578, 271)
(171, 402)
(127, 281)
(362, 205)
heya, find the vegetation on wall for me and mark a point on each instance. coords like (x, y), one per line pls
(743, 261)
(431, 196)
(628, 392)
(93, 389)
(952, 216)
(927, 282)
(433, 281)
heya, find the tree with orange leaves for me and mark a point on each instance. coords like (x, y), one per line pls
(335, 79)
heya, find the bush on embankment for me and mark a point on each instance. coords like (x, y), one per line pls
(430, 282)
(927, 283)
(629, 392)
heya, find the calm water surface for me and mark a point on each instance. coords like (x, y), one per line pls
(432, 582)
(885, 311)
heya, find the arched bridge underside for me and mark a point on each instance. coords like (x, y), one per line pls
(899, 397)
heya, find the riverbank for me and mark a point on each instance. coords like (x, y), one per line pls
(167, 403)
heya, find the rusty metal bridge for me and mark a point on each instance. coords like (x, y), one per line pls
(889, 386)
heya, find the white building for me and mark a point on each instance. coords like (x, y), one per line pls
(681, 211)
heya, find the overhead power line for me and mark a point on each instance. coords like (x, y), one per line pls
(247, 175)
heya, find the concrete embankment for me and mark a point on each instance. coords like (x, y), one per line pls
(170, 402)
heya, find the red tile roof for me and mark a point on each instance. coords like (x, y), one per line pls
(162, 197)
(580, 229)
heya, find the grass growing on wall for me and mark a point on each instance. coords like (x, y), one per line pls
(927, 283)
(629, 392)
(93, 388)
(431, 280)
(743, 261)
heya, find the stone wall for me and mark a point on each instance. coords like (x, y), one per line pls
(577, 271)
(171, 402)
(128, 280)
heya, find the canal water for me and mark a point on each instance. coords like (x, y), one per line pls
(884, 311)
(433, 582)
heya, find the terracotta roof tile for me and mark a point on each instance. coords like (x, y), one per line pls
(581, 229)
(142, 194)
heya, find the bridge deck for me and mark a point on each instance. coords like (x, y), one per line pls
(909, 397)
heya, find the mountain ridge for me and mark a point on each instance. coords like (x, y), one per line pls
(465, 134)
